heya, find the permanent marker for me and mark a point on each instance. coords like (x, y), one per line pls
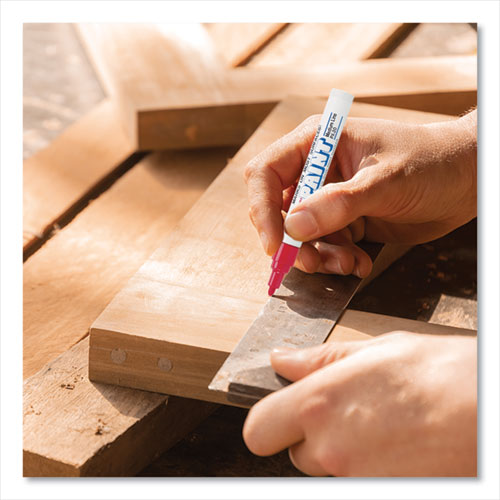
(313, 176)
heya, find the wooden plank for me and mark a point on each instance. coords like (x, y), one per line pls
(238, 42)
(73, 427)
(446, 85)
(196, 296)
(339, 42)
(144, 64)
(175, 109)
(75, 274)
(70, 170)
(360, 325)
(67, 283)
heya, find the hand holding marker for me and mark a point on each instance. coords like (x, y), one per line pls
(313, 176)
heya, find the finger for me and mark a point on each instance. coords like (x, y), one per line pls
(265, 198)
(272, 424)
(288, 196)
(357, 229)
(302, 457)
(343, 259)
(331, 208)
(269, 173)
(294, 364)
(308, 259)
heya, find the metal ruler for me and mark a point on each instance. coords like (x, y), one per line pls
(302, 313)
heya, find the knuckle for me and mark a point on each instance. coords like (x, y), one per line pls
(253, 212)
(312, 410)
(340, 199)
(249, 170)
(327, 355)
(397, 335)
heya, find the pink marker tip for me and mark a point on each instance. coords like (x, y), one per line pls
(283, 260)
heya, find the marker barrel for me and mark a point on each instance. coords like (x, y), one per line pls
(313, 175)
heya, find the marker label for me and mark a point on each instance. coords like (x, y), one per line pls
(322, 150)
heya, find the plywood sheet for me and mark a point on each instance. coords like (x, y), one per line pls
(190, 303)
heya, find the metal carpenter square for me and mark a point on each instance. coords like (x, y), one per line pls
(302, 313)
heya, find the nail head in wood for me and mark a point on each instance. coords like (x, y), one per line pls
(118, 356)
(164, 364)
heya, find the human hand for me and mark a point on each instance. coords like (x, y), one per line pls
(389, 182)
(401, 404)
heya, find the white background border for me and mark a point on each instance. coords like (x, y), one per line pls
(14, 14)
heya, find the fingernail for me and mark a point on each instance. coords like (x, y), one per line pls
(356, 271)
(301, 225)
(283, 352)
(264, 240)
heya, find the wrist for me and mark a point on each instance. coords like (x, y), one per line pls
(454, 147)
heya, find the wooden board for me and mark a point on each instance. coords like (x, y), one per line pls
(165, 108)
(446, 85)
(172, 326)
(238, 42)
(68, 282)
(337, 42)
(73, 427)
(73, 168)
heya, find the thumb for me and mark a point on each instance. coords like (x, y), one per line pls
(294, 364)
(330, 209)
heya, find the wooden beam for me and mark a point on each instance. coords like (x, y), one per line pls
(60, 179)
(340, 42)
(172, 90)
(238, 42)
(171, 327)
(73, 427)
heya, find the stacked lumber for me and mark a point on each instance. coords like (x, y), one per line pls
(82, 267)
(77, 427)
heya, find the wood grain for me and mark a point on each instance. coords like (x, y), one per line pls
(237, 42)
(164, 108)
(73, 427)
(68, 282)
(196, 296)
(339, 42)
(70, 170)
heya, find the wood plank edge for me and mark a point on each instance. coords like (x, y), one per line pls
(160, 429)
(393, 39)
(31, 245)
(244, 57)
(139, 369)
(35, 465)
